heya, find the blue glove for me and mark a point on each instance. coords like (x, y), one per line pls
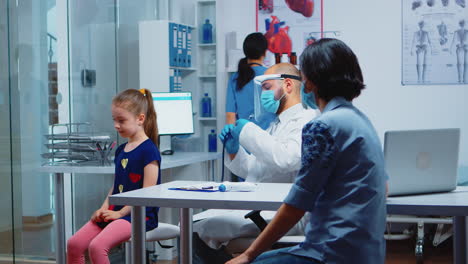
(238, 128)
(231, 144)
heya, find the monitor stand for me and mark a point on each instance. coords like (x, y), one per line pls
(165, 145)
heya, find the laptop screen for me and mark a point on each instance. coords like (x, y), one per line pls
(421, 161)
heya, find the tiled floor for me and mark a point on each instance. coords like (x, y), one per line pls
(398, 252)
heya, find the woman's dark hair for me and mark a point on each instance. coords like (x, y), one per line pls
(332, 66)
(255, 45)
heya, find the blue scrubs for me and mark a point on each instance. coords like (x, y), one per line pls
(242, 102)
(342, 184)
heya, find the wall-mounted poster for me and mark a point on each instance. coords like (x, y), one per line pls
(434, 42)
(289, 26)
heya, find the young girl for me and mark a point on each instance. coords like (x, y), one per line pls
(137, 165)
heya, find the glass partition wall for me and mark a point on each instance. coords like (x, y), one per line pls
(61, 61)
(27, 108)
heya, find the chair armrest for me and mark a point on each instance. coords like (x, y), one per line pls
(257, 219)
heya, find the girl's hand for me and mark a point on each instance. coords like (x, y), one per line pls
(109, 215)
(97, 216)
(241, 259)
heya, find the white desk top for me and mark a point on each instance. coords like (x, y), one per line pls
(168, 161)
(268, 196)
(453, 203)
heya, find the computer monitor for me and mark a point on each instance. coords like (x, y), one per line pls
(174, 112)
(175, 117)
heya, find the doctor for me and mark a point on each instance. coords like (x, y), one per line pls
(257, 155)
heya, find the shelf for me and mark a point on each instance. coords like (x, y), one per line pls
(184, 68)
(206, 2)
(207, 76)
(207, 118)
(206, 45)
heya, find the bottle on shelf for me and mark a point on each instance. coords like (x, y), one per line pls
(277, 58)
(206, 106)
(212, 141)
(211, 65)
(293, 58)
(207, 32)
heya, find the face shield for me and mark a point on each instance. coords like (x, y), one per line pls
(262, 117)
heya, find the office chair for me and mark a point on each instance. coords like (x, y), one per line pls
(162, 232)
(239, 245)
(441, 233)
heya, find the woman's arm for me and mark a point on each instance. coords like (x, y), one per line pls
(286, 217)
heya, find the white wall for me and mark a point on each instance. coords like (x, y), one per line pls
(373, 30)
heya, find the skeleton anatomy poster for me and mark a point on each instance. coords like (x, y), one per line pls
(289, 25)
(434, 42)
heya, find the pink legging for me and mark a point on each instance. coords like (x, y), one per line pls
(97, 241)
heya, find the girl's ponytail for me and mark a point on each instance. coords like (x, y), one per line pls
(151, 125)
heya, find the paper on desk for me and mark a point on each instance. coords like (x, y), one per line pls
(215, 187)
(201, 187)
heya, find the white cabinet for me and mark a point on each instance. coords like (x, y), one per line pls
(158, 49)
(155, 53)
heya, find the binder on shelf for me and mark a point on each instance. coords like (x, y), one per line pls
(182, 46)
(189, 47)
(179, 45)
(179, 80)
(173, 42)
(172, 78)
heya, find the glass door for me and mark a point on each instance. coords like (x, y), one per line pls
(26, 111)
(6, 220)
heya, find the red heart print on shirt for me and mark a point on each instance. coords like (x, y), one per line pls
(134, 177)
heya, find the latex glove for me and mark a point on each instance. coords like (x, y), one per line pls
(238, 128)
(231, 144)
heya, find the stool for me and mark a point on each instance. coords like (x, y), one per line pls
(162, 232)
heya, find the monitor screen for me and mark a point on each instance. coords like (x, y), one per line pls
(174, 112)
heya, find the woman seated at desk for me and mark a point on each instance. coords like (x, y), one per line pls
(342, 180)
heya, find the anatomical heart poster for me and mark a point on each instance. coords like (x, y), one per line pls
(434, 42)
(289, 26)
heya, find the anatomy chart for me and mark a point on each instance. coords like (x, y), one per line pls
(434, 42)
(289, 25)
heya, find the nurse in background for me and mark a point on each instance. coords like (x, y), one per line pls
(240, 90)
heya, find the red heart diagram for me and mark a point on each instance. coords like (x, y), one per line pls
(304, 7)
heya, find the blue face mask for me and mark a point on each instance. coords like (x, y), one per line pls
(308, 98)
(268, 101)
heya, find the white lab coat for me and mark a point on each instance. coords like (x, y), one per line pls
(275, 156)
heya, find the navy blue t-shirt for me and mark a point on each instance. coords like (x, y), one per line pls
(129, 175)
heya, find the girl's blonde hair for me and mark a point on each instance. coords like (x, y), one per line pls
(140, 102)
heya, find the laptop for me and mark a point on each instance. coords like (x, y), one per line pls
(422, 161)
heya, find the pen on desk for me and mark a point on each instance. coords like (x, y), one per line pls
(207, 187)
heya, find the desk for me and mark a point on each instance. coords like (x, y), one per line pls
(269, 196)
(172, 161)
(447, 204)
